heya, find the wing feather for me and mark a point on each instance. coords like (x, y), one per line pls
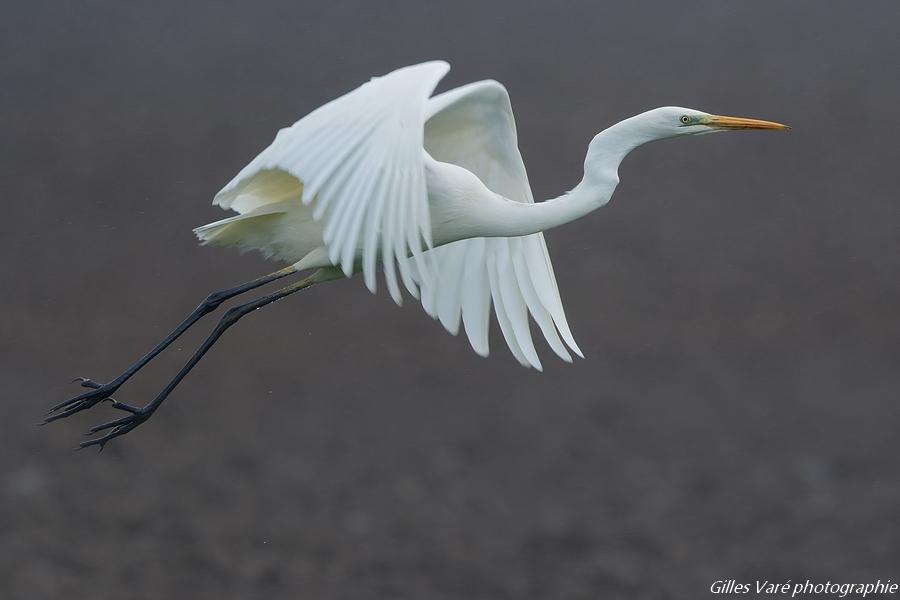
(449, 306)
(359, 161)
(514, 304)
(506, 327)
(536, 307)
(473, 127)
(475, 292)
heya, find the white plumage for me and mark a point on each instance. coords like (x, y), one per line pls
(358, 160)
(473, 127)
(358, 163)
(432, 187)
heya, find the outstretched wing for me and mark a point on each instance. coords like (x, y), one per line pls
(359, 160)
(473, 127)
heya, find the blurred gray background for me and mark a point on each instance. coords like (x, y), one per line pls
(737, 413)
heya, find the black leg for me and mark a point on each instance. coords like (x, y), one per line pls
(103, 391)
(139, 415)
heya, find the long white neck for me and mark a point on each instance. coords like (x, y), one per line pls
(601, 166)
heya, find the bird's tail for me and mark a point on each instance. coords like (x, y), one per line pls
(251, 230)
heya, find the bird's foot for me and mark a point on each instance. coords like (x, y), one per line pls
(99, 392)
(117, 427)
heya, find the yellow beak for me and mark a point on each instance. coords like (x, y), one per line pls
(720, 122)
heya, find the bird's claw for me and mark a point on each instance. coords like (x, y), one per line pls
(99, 392)
(116, 427)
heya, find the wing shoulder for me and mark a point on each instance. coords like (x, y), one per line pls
(473, 126)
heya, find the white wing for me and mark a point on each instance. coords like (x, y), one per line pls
(473, 127)
(359, 158)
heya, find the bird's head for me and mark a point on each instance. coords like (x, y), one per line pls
(673, 121)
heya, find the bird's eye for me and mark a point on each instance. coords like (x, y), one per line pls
(685, 119)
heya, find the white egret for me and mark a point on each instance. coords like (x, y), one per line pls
(433, 188)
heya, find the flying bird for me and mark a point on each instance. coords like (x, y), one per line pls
(432, 188)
